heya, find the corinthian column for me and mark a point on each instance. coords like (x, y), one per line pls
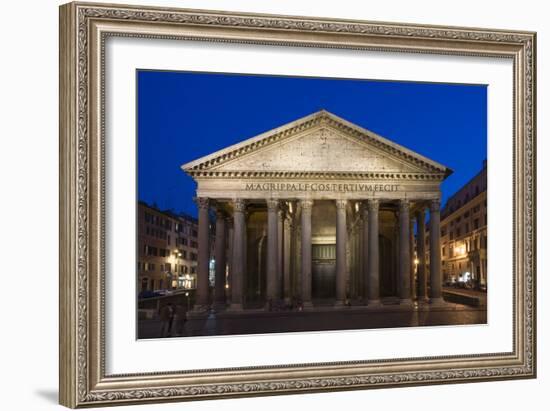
(287, 247)
(238, 263)
(305, 206)
(364, 269)
(201, 303)
(404, 253)
(436, 296)
(373, 257)
(421, 251)
(341, 240)
(272, 251)
(219, 284)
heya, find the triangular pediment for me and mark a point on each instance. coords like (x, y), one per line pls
(319, 143)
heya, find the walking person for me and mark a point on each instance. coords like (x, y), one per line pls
(166, 319)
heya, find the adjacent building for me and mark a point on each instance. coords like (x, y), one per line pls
(167, 249)
(464, 233)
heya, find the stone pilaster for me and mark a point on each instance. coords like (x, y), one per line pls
(341, 242)
(404, 254)
(373, 254)
(201, 302)
(237, 275)
(306, 206)
(272, 251)
(436, 296)
(365, 250)
(220, 258)
(421, 255)
(287, 249)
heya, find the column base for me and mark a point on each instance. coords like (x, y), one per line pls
(406, 302)
(234, 307)
(423, 299)
(307, 305)
(219, 306)
(339, 304)
(374, 303)
(437, 302)
(198, 311)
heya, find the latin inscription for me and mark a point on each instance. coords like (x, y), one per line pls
(322, 187)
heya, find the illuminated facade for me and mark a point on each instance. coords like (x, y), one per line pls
(464, 233)
(167, 250)
(313, 211)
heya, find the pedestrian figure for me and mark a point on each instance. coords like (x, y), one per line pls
(181, 319)
(166, 319)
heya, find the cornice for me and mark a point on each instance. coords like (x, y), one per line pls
(251, 174)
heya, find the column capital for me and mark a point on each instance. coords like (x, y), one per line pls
(239, 205)
(373, 204)
(272, 204)
(306, 204)
(404, 205)
(363, 209)
(341, 204)
(220, 214)
(202, 202)
(435, 205)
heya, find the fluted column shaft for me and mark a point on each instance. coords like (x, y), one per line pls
(411, 257)
(203, 257)
(373, 255)
(435, 253)
(272, 250)
(306, 206)
(421, 254)
(220, 257)
(230, 239)
(404, 253)
(287, 247)
(280, 253)
(341, 243)
(365, 250)
(238, 263)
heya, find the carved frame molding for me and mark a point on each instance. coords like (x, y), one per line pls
(84, 28)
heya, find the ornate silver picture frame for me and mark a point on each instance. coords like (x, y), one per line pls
(84, 30)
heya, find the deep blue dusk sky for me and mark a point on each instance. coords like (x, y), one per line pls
(183, 116)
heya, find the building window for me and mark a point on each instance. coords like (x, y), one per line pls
(466, 227)
(476, 223)
(150, 250)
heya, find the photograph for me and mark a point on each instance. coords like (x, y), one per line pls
(286, 204)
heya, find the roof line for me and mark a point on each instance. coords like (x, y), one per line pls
(320, 113)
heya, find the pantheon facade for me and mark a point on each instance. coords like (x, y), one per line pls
(318, 211)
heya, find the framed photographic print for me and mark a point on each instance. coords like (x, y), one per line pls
(258, 204)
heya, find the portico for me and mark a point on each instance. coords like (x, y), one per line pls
(318, 211)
